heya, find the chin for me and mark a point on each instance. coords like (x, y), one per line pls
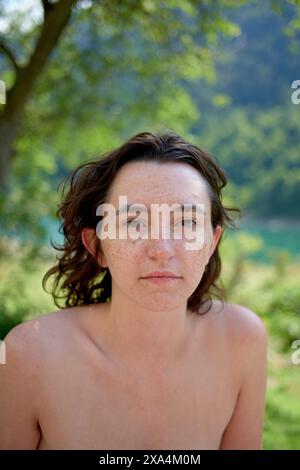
(160, 303)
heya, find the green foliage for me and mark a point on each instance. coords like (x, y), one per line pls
(21, 293)
(272, 292)
(281, 427)
(146, 69)
(259, 150)
(120, 68)
(257, 67)
(284, 311)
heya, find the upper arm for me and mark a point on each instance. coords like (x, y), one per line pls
(245, 428)
(19, 424)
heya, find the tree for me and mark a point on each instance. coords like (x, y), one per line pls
(192, 23)
(56, 18)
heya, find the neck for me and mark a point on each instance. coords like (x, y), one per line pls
(144, 338)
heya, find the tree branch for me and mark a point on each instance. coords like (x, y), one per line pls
(47, 6)
(10, 55)
(55, 22)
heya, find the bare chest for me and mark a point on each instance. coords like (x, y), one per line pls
(89, 407)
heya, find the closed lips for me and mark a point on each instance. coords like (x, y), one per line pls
(160, 274)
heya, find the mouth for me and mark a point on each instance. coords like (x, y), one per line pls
(160, 274)
(161, 279)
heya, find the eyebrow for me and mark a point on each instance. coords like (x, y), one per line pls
(177, 209)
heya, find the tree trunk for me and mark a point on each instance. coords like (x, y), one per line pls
(56, 17)
(9, 128)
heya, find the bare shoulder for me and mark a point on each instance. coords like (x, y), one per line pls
(20, 378)
(32, 341)
(28, 347)
(242, 323)
(23, 348)
(26, 334)
(245, 337)
(248, 346)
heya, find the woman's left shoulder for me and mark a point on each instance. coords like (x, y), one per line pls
(242, 322)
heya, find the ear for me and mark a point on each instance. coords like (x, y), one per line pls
(90, 242)
(216, 238)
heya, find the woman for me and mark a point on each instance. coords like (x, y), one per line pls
(141, 356)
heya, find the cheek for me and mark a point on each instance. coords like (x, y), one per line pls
(195, 261)
(120, 257)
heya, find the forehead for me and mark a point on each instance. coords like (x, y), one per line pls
(150, 182)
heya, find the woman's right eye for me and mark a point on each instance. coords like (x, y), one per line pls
(133, 222)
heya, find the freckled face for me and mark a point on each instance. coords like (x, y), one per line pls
(129, 260)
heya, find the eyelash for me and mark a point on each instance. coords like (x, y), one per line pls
(193, 220)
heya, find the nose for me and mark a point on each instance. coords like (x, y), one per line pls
(161, 248)
(160, 244)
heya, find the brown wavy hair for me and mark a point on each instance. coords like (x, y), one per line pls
(78, 278)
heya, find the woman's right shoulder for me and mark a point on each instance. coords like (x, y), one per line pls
(32, 338)
(21, 376)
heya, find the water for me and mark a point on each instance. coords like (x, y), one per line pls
(277, 235)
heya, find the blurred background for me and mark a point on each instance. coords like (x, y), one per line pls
(80, 77)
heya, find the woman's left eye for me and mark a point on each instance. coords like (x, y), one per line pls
(189, 220)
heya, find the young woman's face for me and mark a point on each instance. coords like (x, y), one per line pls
(130, 260)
